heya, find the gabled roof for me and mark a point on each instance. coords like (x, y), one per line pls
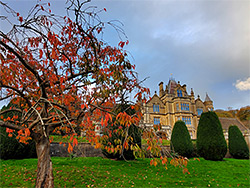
(226, 122)
(157, 98)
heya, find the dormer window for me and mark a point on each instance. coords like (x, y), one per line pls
(179, 93)
(156, 108)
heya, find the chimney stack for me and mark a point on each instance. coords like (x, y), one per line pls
(161, 91)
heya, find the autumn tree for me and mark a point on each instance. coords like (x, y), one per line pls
(62, 75)
(244, 115)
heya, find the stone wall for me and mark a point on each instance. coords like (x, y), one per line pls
(81, 150)
(247, 138)
(87, 150)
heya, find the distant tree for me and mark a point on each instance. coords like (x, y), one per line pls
(237, 144)
(244, 115)
(211, 144)
(222, 113)
(181, 141)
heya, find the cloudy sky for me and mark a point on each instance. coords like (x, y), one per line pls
(204, 44)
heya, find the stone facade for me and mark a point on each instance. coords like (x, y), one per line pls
(172, 104)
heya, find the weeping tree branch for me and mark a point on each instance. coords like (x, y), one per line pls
(10, 126)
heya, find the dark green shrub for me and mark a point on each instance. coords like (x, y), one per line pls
(11, 148)
(211, 144)
(194, 154)
(237, 145)
(118, 134)
(181, 141)
(134, 132)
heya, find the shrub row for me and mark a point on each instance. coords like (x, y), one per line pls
(211, 144)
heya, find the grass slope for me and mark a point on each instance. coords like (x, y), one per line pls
(99, 172)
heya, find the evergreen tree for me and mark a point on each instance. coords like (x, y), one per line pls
(237, 144)
(181, 141)
(211, 144)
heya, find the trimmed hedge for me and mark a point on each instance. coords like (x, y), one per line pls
(211, 144)
(181, 141)
(237, 144)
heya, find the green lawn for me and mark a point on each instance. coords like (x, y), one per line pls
(99, 172)
(58, 138)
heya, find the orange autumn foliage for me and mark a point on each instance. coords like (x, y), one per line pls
(62, 77)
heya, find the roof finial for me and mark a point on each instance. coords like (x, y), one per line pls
(192, 92)
(171, 77)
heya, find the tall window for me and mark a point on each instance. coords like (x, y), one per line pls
(177, 106)
(199, 111)
(185, 106)
(187, 120)
(179, 93)
(156, 108)
(156, 120)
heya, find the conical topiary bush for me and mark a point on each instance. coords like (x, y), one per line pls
(211, 144)
(237, 144)
(181, 141)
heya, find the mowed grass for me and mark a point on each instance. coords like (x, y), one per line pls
(100, 172)
(66, 139)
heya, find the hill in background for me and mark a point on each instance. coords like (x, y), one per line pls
(243, 114)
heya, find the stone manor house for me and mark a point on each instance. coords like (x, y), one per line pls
(172, 104)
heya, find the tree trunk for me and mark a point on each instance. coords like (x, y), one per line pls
(44, 167)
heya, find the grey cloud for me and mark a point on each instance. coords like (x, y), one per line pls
(205, 44)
